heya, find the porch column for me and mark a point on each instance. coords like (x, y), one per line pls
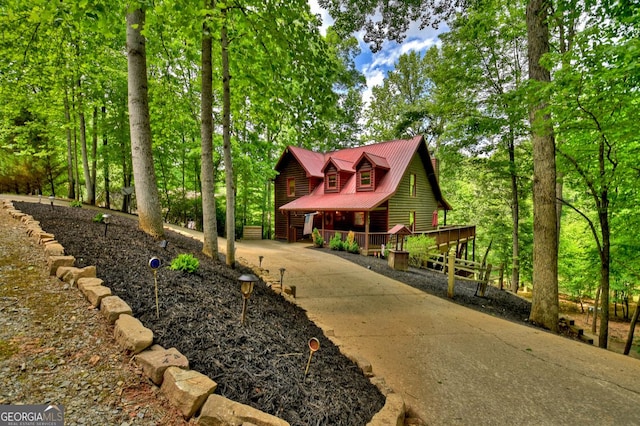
(366, 232)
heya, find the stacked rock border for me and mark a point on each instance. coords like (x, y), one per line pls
(191, 392)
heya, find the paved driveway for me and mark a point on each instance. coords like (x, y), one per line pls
(454, 365)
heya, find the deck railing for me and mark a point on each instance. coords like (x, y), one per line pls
(445, 235)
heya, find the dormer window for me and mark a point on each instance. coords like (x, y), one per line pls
(365, 179)
(332, 181)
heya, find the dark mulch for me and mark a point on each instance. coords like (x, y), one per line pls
(261, 364)
(499, 303)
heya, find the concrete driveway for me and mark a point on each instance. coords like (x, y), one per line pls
(454, 365)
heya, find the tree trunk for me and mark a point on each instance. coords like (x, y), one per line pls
(544, 305)
(105, 160)
(594, 324)
(83, 145)
(71, 191)
(148, 201)
(209, 225)
(632, 328)
(226, 143)
(94, 157)
(515, 216)
(605, 261)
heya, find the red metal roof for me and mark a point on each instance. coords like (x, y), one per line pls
(392, 155)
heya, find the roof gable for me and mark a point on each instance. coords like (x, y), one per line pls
(375, 160)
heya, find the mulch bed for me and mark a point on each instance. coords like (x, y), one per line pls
(261, 363)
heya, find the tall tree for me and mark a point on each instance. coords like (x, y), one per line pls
(209, 226)
(148, 202)
(544, 305)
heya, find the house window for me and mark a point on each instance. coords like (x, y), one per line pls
(291, 187)
(412, 220)
(413, 191)
(365, 178)
(332, 181)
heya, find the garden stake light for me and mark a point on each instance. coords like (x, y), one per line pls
(246, 288)
(281, 279)
(314, 345)
(154, 264)
(260, 261)
(105, 219)
(51, 198)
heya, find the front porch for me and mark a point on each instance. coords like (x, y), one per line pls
(448, 236)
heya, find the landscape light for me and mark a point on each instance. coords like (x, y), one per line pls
(247, 282)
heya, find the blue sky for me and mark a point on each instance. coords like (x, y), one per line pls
(375, 66)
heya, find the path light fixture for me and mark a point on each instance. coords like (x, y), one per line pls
(281, 279)
(247, 282)
(164, 244)
(51, 198)
(260, 261)
(314, 346)
(105, 220)
(154, 264)
(39, 198)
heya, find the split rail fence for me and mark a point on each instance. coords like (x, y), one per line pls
(468, 270)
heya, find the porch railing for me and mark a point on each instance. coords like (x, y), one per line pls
(445, 235)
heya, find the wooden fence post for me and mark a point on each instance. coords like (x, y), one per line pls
(485, 280)
(452, 273)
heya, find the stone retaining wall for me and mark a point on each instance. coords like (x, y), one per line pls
(190, 391)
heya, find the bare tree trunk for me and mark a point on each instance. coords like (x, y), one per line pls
(226, 143)
(105, 160)
(83, 145)
(94, 158)
(605, 262)
(71, 191)
(632, 327)
(595, 310)
(209, 225)
(515, 216)
(144, 175)
(544, 306)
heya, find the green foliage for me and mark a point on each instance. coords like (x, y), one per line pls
(76, 203)
(185, 262)
(420, 249)
(336, 242)
(351, 245)
(98, 218)
(318, 241)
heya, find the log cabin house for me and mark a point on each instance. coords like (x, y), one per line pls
(367, 189)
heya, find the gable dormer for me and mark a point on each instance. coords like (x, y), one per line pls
(370, 169)
(336, 174)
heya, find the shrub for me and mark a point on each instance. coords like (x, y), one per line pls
(185, 262)
(98, 218)
(351, 245)
(420, 249)
(336, 242)
(318, 241)
(76, 203)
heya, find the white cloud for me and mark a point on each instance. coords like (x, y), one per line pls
(327, 20)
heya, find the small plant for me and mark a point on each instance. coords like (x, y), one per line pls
(336, 242)
(185, 262)
(318, 241)
(420, 249)
(351, 245)
(99, 218)
(76, 203)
